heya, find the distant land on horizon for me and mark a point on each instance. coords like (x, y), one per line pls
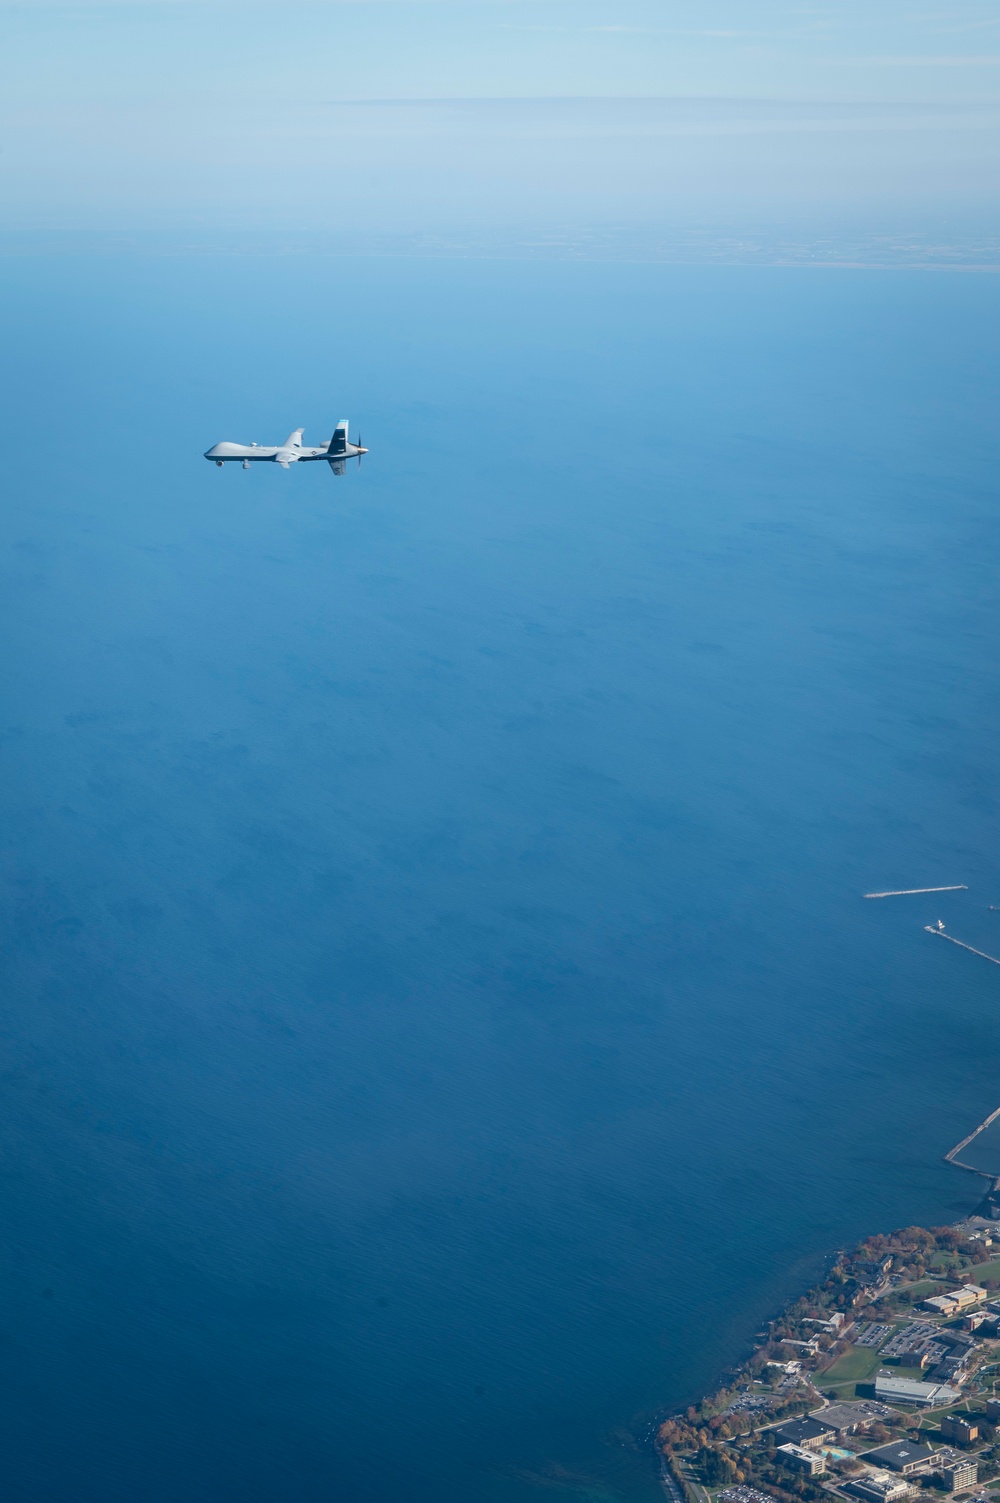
(857, 248)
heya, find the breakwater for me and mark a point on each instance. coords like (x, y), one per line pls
(933, 929)
(951, 1157)
(909, 892)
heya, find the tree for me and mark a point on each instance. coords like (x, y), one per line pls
(948, 1238)
(717, 1467)
(916, 1236)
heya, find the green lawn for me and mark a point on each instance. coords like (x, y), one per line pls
(920, 1291)
(925, 1287)
(990, 1270)
(982, 1271)
(856, 1366)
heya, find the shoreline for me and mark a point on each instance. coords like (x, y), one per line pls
(862, 1347)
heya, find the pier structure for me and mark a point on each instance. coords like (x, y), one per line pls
(939, 931)
(909, 892)
(951, 1157)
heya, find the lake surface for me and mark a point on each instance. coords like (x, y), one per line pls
(440, 1018)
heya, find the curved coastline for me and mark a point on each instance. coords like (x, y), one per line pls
(925, 1300)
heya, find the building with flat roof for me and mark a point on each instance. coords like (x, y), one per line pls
(941, 1304)
(846, 1418)
(956, 1339)
(962, 1427)
(832, 1324)
(955, 1299)
(905, 1456)
(958, 1475)
(808, 1431)
(801, 1459)
(895, 1390)
(881, 1487)
(951, 1368)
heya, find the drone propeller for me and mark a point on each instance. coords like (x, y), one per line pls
(359, 451)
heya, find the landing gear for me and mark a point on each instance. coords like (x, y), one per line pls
(246, 464)
(220, 463)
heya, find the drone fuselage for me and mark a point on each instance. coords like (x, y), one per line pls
(336, 450)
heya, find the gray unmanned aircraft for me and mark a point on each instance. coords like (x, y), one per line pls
(336, 452)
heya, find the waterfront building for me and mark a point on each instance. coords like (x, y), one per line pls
(881, 1487)
(872, 1272)
(904, 1456)
(833, 1325)
(895, 1390)
(801, 1459)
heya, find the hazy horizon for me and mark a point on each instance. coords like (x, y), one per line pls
(410, 118)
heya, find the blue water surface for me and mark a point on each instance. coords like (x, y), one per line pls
(440, 1016)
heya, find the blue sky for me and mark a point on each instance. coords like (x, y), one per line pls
(423, 114)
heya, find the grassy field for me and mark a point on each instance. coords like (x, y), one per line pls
(982, 1271)
(856, 1366)
(991, 1270)
(924, 1288)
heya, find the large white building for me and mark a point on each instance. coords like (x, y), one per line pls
(881, 1487)
(891, 1389)
(801, 1459)
(955, 1299)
